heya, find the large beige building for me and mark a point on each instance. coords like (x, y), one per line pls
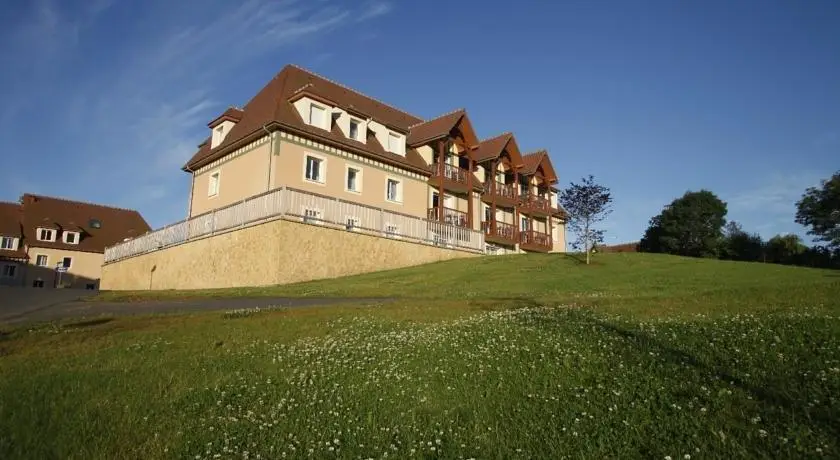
(50, 242)
(307, 133)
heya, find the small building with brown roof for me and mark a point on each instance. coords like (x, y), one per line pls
(49, 242)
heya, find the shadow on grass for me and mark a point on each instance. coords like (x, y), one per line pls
(773, 395)
(87, 323)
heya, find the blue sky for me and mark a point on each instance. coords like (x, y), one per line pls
(104, 100)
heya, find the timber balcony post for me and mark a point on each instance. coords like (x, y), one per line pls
(470, 177)
(441, 171)
(493, 198)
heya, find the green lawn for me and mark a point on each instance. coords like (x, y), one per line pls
(509, 357)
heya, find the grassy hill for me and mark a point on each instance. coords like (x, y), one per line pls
(654, 283)
(638, 356)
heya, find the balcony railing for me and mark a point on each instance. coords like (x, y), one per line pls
(534, 238)
(299, 206)
(450, 216)
(501, 190)
(451, 172)
(500, 230)
(536, 203)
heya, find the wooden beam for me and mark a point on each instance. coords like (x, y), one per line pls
(493, 197)
(470, 177)
(441, 171)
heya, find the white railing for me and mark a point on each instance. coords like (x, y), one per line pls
(297, 205)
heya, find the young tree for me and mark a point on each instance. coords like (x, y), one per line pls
(587, 204)
(784, 249)
(740, 245)
(819, 209)
(690, 226)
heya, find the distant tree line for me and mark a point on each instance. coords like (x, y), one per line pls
(695, 225)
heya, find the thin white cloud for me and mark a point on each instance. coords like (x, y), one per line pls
(141, 116)
(374, 9)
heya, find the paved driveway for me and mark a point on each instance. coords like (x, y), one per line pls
(51, 305)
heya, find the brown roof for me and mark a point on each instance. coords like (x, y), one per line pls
(10, 225)
(489, 149)
(233, 114)
(61, 214)
(532, 161)
(271, 107)
(435, 128)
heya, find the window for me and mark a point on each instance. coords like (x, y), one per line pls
(354, 129)
(67, 262)
(316, 115)
(7, 242)
(41, 260)
(95, 223)
(90, 286)
(524, 224)
(9, 271)
(351, 223)
(46, 234)
(354, 179)
(314, 169)
(39, 283)
(394, 143)
(213, 184)
(312, 216)
(487, 214)
(393, 190)
(71, 237)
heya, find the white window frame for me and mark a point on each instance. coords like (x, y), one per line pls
(399, 197)
(68, 266)
(358, 170)
(211, 191)
(46, 260)
(400, 143)
(14, 271)
(12, 241)
(312, 215)
(40, 230)
(75, 240)
(322, 169)
(323, 115)
(351, 223)
(358, 124)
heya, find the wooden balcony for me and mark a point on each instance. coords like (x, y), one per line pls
(450, 216)
(531, 240)
(504, 194)
(499, 232)
(454, 178)
(535, 205)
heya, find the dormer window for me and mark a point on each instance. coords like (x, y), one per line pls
(316, 115)
(71, 237)
(354, 129)
(8, 243)
(395, 143)
(46, 234)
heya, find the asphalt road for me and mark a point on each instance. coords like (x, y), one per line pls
(29, 306)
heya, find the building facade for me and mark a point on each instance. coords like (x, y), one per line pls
(48, 242)
(314, 135)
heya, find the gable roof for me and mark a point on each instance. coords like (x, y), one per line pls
(10, 225)
(271, 108)
(532, 161)
(76, 216)
(489, 149)
(435, 128)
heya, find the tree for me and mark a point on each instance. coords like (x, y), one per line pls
(819, 209)
(740, 245)
(586, 204)
(785, 249)
(690, 226)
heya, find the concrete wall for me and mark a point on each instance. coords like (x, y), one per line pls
(276, 252)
